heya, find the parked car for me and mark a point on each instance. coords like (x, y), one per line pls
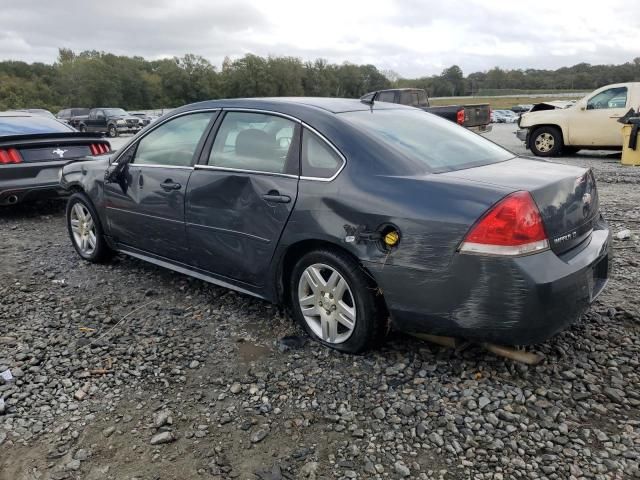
(36, 111)
(33, 149)
(72, 115)
(352, 214)
(520, 109)
(146, 118)
(112, 121)
(474, 117)
(591, 123)
(503, 116)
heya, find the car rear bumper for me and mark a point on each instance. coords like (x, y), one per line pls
(30, 180)
(509, 301)
(481, 128)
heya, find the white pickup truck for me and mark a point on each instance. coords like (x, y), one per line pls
(591, 123)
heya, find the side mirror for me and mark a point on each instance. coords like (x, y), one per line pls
(113, 172)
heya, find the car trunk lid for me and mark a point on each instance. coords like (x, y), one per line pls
(566, 196)
(51, 147)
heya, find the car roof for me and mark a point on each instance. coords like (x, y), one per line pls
(291, 104)
(17, 113)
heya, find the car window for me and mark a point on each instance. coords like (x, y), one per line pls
(22, 125)
(431, 143)
(255, 141)
(386, 97)
(409, 98)
(174, 142)
(609, 98)
(318, 159)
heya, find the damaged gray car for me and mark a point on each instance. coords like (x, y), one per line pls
(358, 216)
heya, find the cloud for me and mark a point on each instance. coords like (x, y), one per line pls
(412, 37)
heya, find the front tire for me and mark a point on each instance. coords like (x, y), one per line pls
(82, 128)
(85, 229)
(112, 131)
(546, 142)
(336, 302)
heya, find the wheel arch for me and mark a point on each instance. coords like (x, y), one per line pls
(295, 251)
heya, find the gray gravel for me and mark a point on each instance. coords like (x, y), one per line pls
(129, 371)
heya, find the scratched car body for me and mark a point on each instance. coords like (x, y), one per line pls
(358, 216)
(33, 149)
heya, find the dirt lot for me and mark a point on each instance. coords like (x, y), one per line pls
(128, 371)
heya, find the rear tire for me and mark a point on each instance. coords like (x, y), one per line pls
(85, 230)
(546, 142)
(342, 309)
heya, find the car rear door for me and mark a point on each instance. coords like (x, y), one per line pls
(145, 207)
(241, 194)
(595, 122)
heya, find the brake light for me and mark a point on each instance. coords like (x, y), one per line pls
(10, 155)
(460, 117)
(511, 227)
(98, 148)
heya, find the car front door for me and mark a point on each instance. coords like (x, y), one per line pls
(241, 194)
(145, 204)
(595, 121)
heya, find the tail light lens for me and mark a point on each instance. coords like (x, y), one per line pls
(99, 148)
(10, 155)
(460, 117)
(512, 227)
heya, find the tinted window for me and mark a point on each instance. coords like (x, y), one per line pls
(386, 97)
(410, 98)
(174, 142)
(255, 141)
(318, 158)
(26, 125)
(610, 98)
(432, 143)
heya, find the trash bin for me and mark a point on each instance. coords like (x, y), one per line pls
(630, 156)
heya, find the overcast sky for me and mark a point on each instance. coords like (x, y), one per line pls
(411, 37)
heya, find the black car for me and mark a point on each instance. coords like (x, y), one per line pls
(33, 149)
(354, 215)
(112, 121)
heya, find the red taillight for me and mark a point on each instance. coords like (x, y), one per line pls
(460, 117)
(512, 227)
(98, 148)
(10, 155)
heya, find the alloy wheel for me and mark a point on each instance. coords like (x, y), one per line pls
(327, 303)
(545, 142)
(83, 228)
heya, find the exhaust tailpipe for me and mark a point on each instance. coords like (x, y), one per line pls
(12, 199)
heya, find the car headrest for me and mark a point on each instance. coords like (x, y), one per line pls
(255, 143)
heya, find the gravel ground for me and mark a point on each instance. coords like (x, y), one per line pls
(128, 371)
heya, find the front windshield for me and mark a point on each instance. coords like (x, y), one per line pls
(115, 112)
(428, 140)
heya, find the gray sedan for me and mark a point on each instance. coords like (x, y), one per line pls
(357, 216)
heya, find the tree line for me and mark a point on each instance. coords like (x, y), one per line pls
(93, 78)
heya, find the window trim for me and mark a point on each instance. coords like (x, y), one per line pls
(209, 145)
(586, 106)
(134, 144)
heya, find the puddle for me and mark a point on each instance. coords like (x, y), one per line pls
(250, 352)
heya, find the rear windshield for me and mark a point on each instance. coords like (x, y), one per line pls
(28, 125)
(437, 144)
